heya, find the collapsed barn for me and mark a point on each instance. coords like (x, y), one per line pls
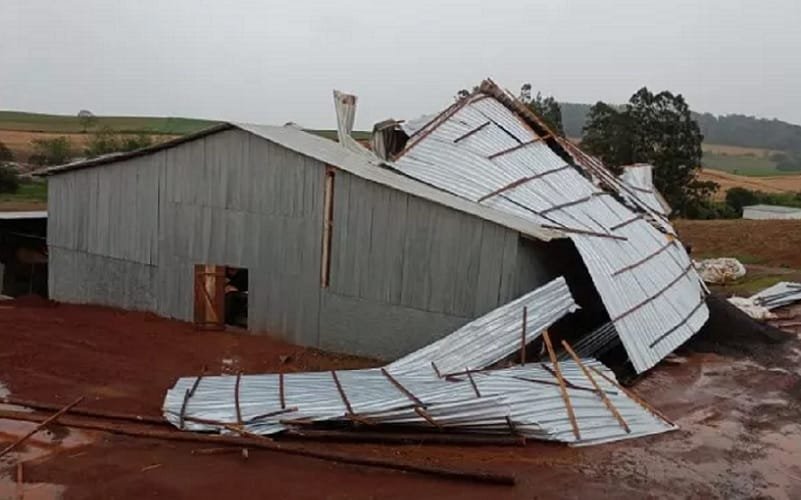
(375, 255)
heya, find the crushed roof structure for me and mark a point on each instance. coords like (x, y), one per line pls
(577, 401)
(492, 150)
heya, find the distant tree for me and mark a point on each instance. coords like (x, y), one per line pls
(738, 197)
(545, 107)
(656, 129)
(9, 179)
(55, 151)
(5, 153)
(87, 119)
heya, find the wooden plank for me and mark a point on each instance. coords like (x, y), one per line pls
(565, 397)
(401, 388)
(523, 337)
(39, 427)
(515, 148)
(328, 223)
(520, 181)
(598, 389)
(468, 134)
(645, 259)
(236, 398)
(633, 396)
(342, 393)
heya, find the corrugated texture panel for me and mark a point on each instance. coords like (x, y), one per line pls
(81, 278)
(647, 284)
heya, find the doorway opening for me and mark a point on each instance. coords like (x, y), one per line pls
(221, 296)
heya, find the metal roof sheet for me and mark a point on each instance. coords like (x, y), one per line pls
(645, 278)
(38, 214)
(773, 208)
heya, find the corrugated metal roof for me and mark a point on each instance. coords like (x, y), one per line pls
(647, 283)
(639, 178)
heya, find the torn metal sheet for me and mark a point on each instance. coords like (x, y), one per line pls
(644, 277)
(781, 294)
(529, 400)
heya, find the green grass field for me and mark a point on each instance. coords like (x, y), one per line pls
(35, 122)
(750, 165)
(29, 191)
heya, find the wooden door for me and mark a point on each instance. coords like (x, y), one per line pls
(209, 297)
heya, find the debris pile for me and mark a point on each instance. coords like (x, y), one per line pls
(448, 386)
(721, 270)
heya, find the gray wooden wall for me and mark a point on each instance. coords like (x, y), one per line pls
(404, 271)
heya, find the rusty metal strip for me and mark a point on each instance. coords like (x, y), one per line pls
(436, 370)
(428, 418)
(342, 392)
(181, 416)
(645, 259)
(562, 387)
(633, 396)
(406, 392)
(197, 381)
(515, 148)
(567, 204)
(679, 324)
(468, 134)
(236, 398)
(598, 389)
(521, 181)
(272, 414)
(473, 383)
(281, 389)
(657, 294)
(625, 223)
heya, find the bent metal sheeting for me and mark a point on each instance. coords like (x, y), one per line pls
(482, 150)
(525, 400)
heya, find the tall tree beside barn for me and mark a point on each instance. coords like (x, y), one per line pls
(546, 108)
(657, 129)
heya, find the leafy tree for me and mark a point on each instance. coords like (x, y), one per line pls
(656, 129)
(9, 179)
(53, 151)
(546, 108)
(87, 119)
(738, 197)
(5, 153)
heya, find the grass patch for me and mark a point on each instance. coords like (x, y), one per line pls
(29, 191)
(750, 165)
(36, 122)
(749, 286)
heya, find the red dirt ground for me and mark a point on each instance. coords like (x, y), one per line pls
(739, 436)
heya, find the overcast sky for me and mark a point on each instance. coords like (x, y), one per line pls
(277, 61)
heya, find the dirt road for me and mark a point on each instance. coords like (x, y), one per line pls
(739, 419)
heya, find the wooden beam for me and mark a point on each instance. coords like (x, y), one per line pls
(515, 148)
(328, 224)
(645, 259)
(568, 406)
(520, 181)
(406, 392)
(39, 427)
(468, 134)
(633, 396)
(625, 223)
(598, 389)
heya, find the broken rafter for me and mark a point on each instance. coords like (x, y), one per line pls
(471, 132)
(562, 387)
(434, 124)
(515, 148)
(583, 231)
(568, 204)
(406, 392)
(633, 396)
(473, 383)
(679, 324)
(521, 181)
(598, 389)
(236, 398)
(342, 392)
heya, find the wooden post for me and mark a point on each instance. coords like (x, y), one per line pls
(562, 387)
(598, 389)
(633, 396)
(523, 337)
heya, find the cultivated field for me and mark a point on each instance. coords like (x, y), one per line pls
(770, 184)
(35, 122)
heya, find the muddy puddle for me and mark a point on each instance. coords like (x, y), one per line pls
(46, 443)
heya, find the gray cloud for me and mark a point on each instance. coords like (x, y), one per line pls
(272, 62)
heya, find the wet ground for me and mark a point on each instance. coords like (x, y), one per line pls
(739, 417)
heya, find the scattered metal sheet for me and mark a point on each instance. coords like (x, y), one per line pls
(781, 294)
(526, 400)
